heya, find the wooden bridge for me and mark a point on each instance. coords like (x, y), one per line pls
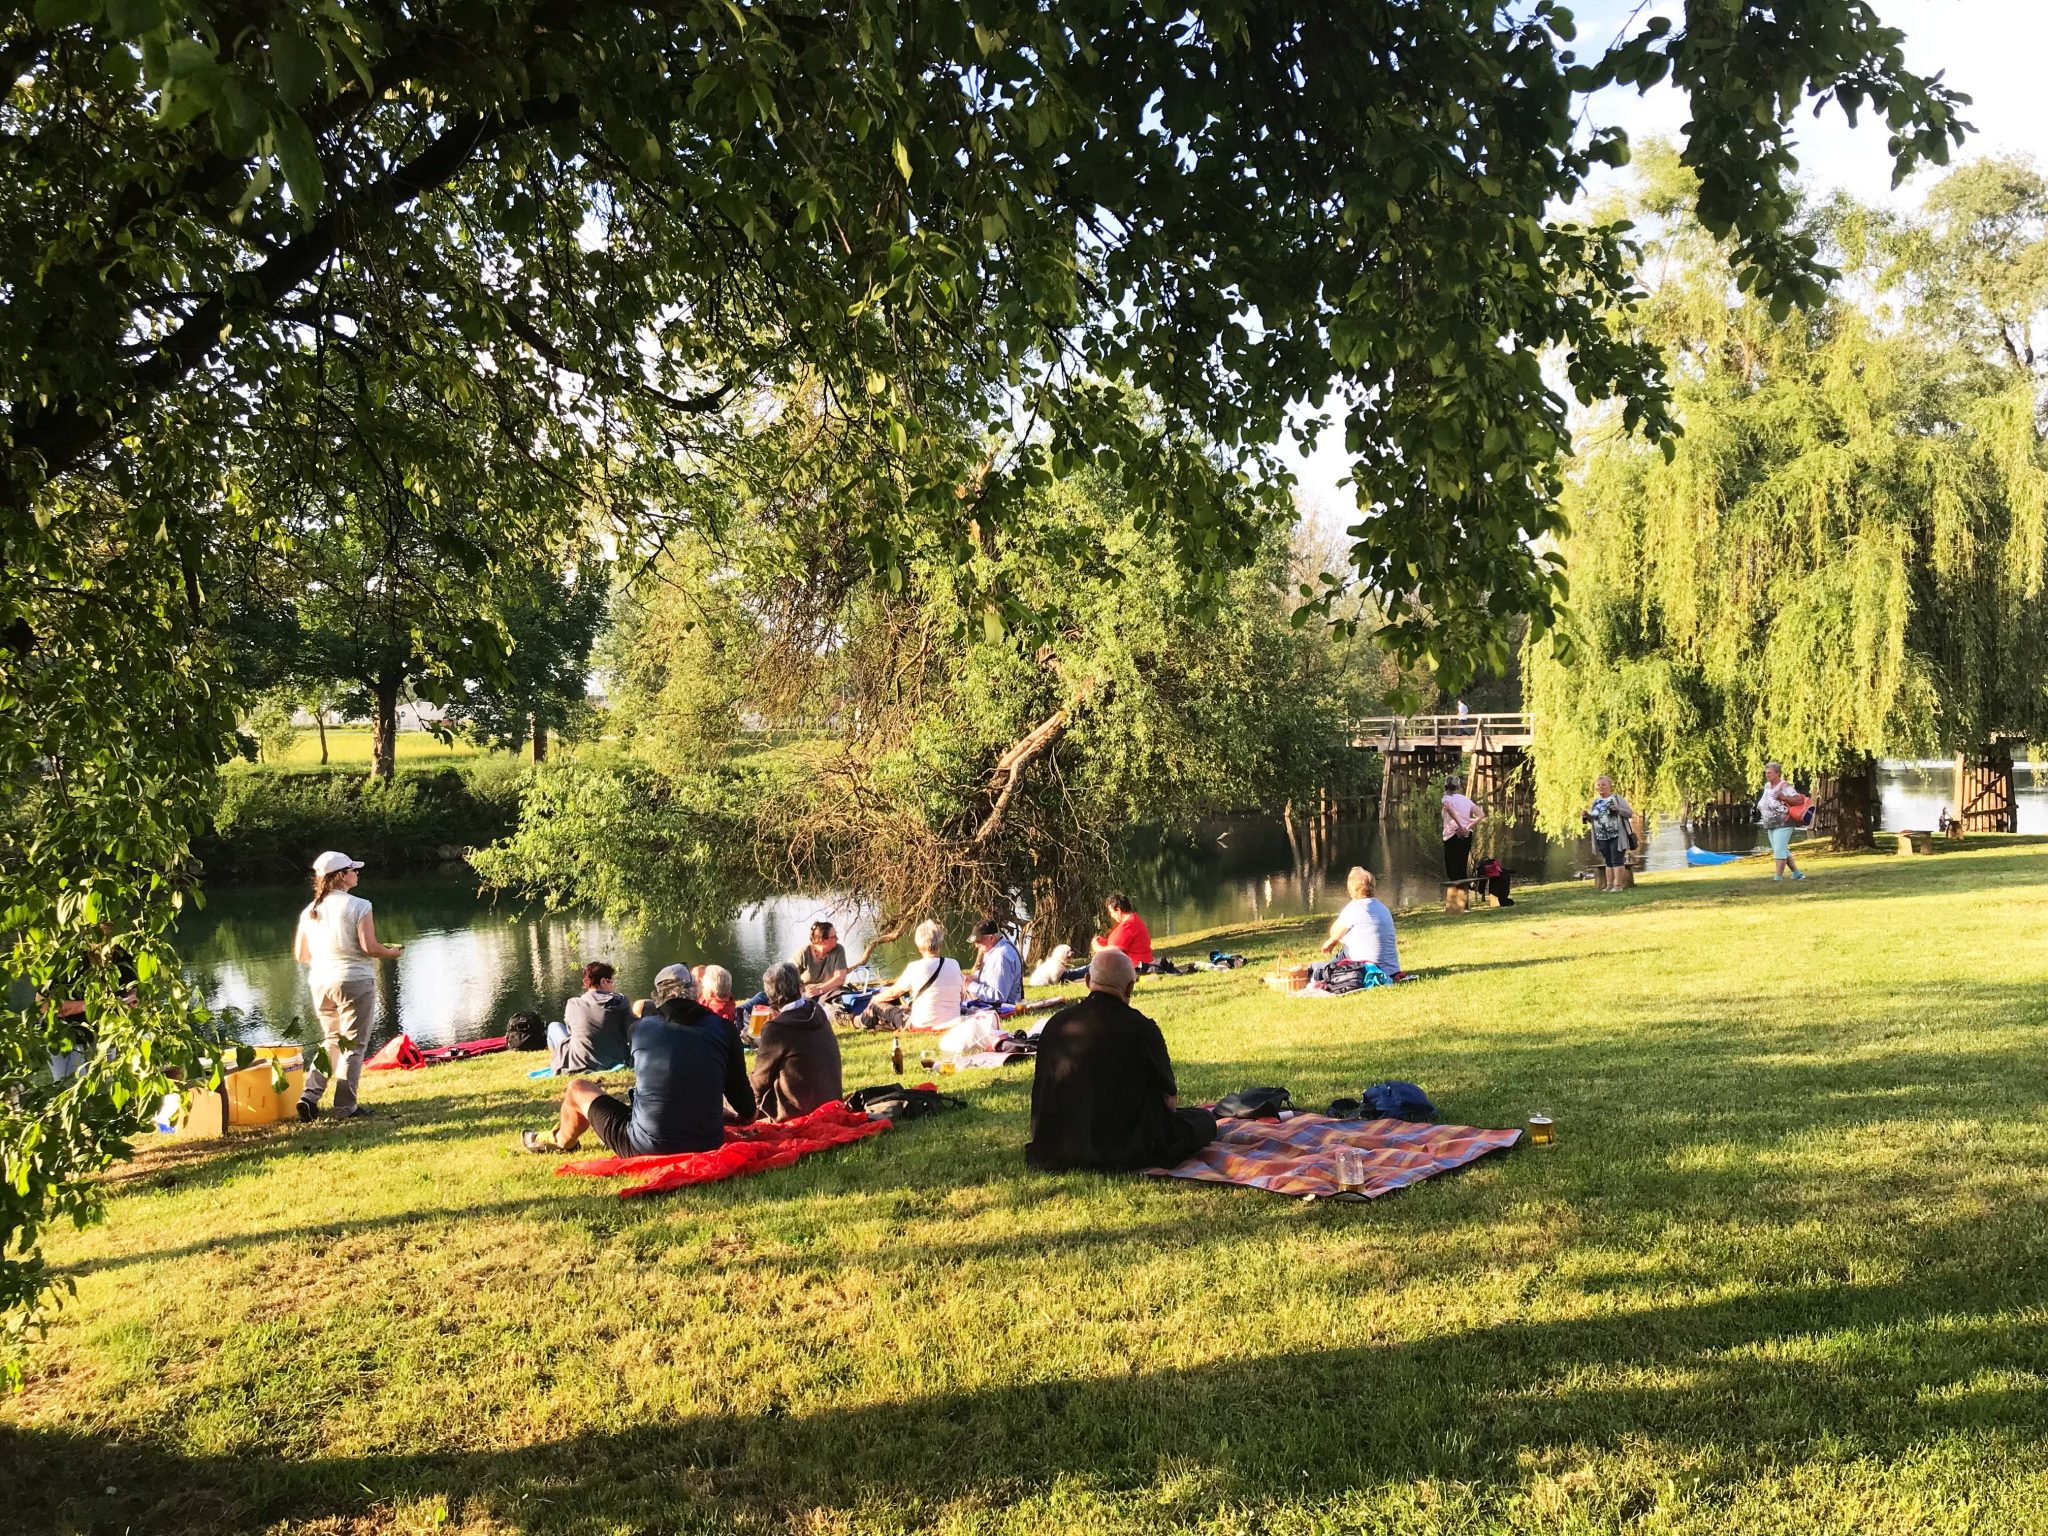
(1468, 733)
(1419, 749)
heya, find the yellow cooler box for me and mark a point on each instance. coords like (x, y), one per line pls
(252, 1098)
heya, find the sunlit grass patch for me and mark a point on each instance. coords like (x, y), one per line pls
(1783, 1271)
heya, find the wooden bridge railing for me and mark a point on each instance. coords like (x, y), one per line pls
(1474, 732)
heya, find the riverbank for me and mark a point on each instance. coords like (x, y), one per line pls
(1782, 1270)
(270, 823)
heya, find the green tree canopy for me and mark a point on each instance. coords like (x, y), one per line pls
(929, 762)
(1844, 556)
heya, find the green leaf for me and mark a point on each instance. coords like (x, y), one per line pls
(901, 152)
(66, 13)
(183, 100)
(299, 159)
(294, 64)
(132, 18)
(187, 57)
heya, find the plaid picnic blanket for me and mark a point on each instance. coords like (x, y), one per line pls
(1298, 1155)
(747, 1149)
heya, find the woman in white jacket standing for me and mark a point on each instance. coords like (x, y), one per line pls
(337, 940)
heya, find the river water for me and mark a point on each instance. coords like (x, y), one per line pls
(469, 964)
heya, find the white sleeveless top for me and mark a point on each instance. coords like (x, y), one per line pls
(333, 942)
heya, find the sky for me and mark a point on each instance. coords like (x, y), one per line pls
(1995, 51)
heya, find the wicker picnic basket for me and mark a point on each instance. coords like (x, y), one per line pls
(1293, 980)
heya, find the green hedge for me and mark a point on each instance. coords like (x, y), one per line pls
(273, 822)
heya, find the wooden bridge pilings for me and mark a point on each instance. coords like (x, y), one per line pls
(1984, 793)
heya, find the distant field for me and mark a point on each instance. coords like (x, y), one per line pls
(351, 744)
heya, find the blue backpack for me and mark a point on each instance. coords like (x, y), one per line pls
(1398, 1100)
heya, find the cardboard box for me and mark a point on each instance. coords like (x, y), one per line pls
(253, 1099)
(204, 1114)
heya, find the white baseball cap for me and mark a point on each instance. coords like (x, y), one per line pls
(332, 863)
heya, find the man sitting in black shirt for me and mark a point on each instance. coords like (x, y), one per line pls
(1103, 1094)
(687, 1067)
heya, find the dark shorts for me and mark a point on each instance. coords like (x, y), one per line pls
(612, 1118)
(1613, 851)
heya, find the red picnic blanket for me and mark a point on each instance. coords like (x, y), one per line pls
(747, 1149)
(401, 1055)
(1298, 1155)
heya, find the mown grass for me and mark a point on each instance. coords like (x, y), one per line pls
(1783, 1272)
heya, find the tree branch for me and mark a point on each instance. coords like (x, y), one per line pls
(534, 337)
(64, 436)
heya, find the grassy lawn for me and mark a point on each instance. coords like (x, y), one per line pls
(1785, 1271)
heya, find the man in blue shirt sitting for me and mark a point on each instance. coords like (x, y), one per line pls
(688, 1066)
(998, 976)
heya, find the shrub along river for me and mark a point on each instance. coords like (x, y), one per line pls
(469, 963)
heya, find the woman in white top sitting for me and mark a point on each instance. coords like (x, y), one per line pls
(337, 940)
(927, 996)
(1364, 929)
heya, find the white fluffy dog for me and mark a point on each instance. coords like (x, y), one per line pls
(1048, 971)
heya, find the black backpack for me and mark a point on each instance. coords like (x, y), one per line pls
(893, 1101)
(1254, 1104)
(526, 1032)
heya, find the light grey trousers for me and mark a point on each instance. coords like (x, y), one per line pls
(346, 1009)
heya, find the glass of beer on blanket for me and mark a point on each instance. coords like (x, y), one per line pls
(1350, 1169)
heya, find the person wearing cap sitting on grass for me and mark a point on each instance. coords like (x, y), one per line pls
(1102, 1092)
(997, 979)
(668, 983)
(337, 942)
(689, 1079)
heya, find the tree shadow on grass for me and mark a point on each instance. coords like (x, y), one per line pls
(1744, 1387)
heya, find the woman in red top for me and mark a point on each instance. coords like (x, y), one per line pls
(1127, 930)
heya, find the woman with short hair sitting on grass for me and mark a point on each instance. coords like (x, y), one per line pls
(1364, 928)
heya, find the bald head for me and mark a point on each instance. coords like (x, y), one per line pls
(1111, 971)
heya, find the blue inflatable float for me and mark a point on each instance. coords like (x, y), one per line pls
(1701, 856)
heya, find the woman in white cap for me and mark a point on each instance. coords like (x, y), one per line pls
(337, 939)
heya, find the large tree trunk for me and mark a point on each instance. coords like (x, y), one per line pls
(384, 733)
(540, 741)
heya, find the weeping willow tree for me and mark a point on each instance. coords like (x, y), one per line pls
(1841, 557)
